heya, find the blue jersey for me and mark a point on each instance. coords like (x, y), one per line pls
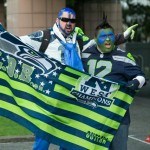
(118, 66)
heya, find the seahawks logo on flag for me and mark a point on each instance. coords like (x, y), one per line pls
(56, 102)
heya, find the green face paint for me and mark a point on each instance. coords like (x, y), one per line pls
(105, 40)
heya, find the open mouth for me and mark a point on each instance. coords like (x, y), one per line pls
(107, 45)
(68, 28)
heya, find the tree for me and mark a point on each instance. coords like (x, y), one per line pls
(137, 12)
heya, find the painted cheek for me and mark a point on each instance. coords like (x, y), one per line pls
(100, 40)
(101, 37)
(112, 38)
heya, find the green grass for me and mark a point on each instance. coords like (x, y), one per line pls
(11, 128)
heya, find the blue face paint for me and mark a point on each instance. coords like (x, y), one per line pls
(69, 10)
(67, 17)
(104, 35)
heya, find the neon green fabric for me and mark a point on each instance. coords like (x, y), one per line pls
(56, 102)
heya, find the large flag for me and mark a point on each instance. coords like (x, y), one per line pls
(58, 103)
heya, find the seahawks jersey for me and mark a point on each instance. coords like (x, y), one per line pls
(118, 66)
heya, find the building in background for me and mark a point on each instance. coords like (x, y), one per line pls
(2, 13)
(26, 16)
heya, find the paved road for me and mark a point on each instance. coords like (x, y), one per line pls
(139, 129)
(140, 124)
(16, 146)
(23, 146)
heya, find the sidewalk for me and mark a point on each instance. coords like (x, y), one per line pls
(9, 139)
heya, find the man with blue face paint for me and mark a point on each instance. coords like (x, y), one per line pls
(66, 21)
(105, 60)
(64, 46)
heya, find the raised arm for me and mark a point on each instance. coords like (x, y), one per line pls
(122, 37)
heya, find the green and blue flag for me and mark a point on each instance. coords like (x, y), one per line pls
(62, 105)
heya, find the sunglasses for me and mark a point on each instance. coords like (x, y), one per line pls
(68, 20)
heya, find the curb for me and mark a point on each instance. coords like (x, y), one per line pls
(13, 139)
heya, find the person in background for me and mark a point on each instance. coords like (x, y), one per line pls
(106, 60)
(65, 44)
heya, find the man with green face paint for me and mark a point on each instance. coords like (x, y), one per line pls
(105, 40)
(106, 60)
